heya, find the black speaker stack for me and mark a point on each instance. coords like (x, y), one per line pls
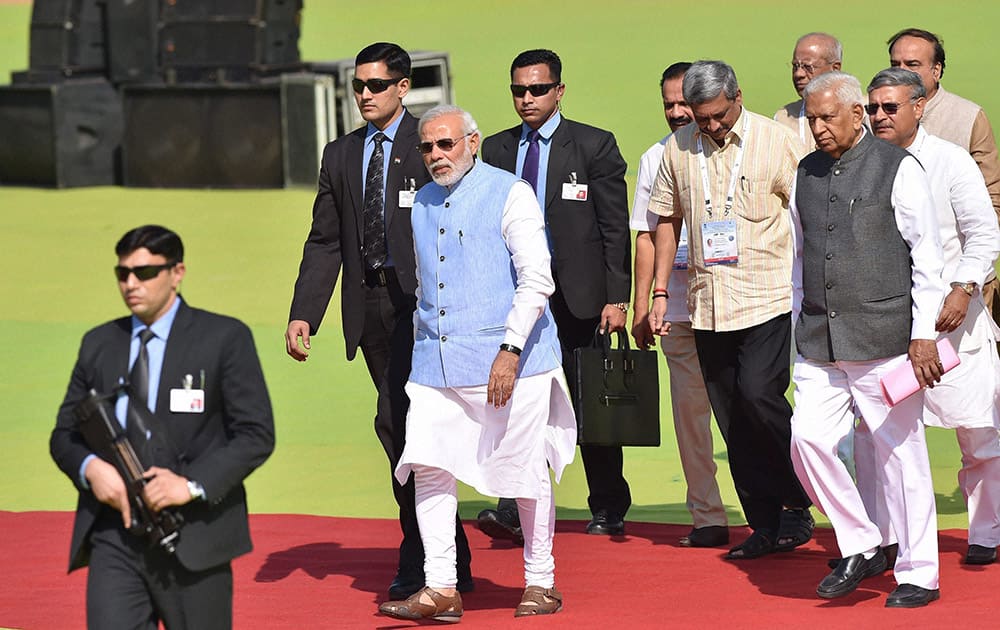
(167, 93)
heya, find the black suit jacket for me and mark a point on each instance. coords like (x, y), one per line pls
(217, 448)
(337, 232)
(591, 245)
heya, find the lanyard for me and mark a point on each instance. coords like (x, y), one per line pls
(802, 124)
(734, 177)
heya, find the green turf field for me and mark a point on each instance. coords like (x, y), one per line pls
(243, 247)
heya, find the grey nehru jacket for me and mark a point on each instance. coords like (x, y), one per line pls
(856, 271)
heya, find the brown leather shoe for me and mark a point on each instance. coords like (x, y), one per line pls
(443, 608)
(539, 601)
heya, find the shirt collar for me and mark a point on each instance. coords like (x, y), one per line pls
(545, 131)
(918, 141)
(161, 327)
(390, 131)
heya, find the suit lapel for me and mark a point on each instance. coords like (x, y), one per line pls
(355, 187)
(402, 148)
(559, 154)
(508, 150)
(177, 348)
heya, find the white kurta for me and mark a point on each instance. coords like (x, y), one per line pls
(643, 220)
(970, 239)
(500, 452)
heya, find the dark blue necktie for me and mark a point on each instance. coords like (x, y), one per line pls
(529, 172)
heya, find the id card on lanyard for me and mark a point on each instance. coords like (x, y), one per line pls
(718, 235)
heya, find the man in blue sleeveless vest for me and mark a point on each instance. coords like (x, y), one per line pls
(867, 275)
(488, 400)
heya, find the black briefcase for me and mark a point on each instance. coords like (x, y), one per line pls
(617, 394)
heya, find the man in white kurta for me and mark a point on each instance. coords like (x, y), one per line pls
(488, 400)
(966, 397)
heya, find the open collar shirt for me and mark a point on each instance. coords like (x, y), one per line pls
(757, 288)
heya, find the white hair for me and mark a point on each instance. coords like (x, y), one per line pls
(469, 125)
(845, 87)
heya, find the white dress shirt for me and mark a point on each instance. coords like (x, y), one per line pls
(643, 220)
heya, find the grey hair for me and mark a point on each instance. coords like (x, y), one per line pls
(469, 125)
(845, 87)
(891, 77)
(834, 49)
(706, 79)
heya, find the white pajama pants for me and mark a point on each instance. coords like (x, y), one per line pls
(437, 503)
(825, 398)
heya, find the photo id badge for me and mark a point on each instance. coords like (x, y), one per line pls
(187, 400)
(681, 259)
(406, 198)
(718, 239)
(574, 192)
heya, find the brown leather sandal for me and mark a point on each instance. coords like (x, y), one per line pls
(444, 608)
(539, 601)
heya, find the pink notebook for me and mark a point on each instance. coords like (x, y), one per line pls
(902, 382)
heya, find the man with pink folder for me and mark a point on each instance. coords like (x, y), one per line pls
(966, 397)
(867, 285)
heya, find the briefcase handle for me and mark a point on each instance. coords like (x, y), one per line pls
(603, 341)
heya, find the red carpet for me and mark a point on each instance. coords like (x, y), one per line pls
(317, 572)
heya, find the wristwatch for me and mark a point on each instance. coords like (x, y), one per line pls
(196, 490)
(621, 306)
(968, 287)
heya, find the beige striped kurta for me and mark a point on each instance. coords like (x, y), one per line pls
(758, 287)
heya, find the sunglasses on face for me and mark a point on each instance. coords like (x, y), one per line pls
(445, 144)
(142, 272)
(375, 86)
(536, 89)
(889, 108)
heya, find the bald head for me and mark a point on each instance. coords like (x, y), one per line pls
(814, 54)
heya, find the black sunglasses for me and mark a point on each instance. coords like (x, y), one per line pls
(142, 272)
(889, 108)
(536, 89)
(445, 144)
(375, 86)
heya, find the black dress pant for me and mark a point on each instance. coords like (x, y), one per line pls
(387, 345)
(746, 374)
(133, 586)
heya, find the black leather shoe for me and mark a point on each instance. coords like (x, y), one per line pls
(978, 554)
(711, 536)
(911, 596)
(849, 573)
(605, 524)
(890, 552)
(500, 525)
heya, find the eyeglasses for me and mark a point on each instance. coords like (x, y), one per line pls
(375, 86)
(889, 108)
(808, 68)
(536, 89)
(445, 144)
(142, 272)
